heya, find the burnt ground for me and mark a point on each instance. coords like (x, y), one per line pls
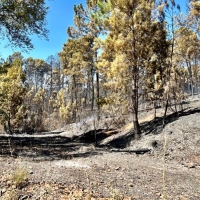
(163, 164)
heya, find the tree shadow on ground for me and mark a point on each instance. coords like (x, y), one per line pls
(156, 126)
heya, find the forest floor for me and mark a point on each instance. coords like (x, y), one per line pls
(73, 169)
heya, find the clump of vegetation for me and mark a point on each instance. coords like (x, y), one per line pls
(115, 193)
(20, 177)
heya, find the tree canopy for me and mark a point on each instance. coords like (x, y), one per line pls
(20, 19)
(121, 57)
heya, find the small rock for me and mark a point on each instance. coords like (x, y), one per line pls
(9, 183)
(117, 168)
(159, 194)
(31, 172)
(130, 185)
(13, 186)
(3, 190)
(189, 165)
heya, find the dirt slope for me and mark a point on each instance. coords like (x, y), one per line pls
(171, 170)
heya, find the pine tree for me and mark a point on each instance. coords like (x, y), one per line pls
(187, 47)
(12, 92)
(170, 12)
(88, 28)
(137, 39)
(20, 19)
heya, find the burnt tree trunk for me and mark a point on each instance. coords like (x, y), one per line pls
(92, 77)
(135, 101)
(98, 95)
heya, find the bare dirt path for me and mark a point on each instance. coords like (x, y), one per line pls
(136, 176)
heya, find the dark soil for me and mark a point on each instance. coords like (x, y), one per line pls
(71, 167)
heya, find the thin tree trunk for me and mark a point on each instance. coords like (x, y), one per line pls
(155, 106)
(195, 75)
(59, 76)
(165, 113)
(92, 105)
(175, 96)
(169, 68)
(191, 77)
(135, 102)
(36, 82)
(51, 81)
(87, 95)
(98, 95)
(9, 124)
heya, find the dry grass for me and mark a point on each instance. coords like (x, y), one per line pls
(19, 177)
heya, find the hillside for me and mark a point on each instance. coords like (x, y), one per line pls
(162, 164)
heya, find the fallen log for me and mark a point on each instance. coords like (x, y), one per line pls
(137, 151)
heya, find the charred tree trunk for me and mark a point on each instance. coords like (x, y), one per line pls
(196, 75)
(9, 124)
(98, 95)
(36, 82)
(75, 96)
(190, 77)
(170, 66)
(135, 102)
(155, 107)
(51, 80)
(92, 77)
(87, 94)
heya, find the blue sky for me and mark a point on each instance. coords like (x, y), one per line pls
(60, 16)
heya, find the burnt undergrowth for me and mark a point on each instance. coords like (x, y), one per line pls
(62, 147)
